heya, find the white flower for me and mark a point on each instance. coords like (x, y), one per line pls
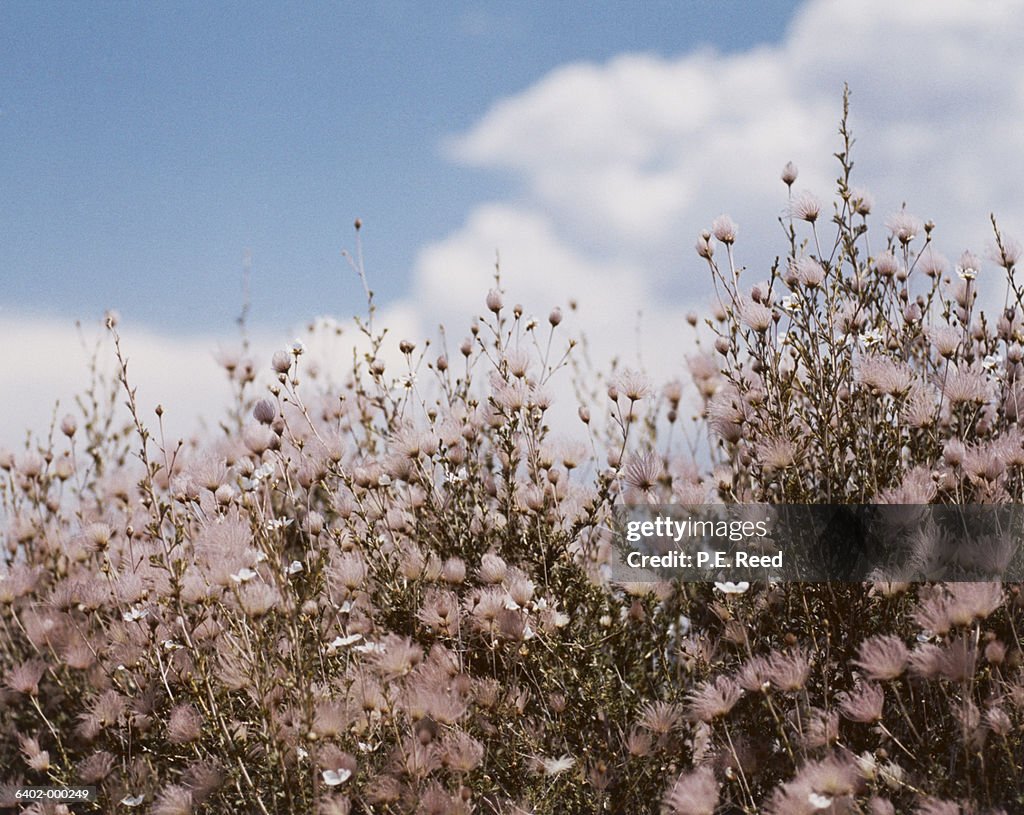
(171, 645)
(728, 587)
(264, 471)
(278, 523)
(872, 338)
(133, 800)
(819, 801)
(384, 480)
(790, 303)
(243, 575)
(992, 361)
(371, 648)
(294, 567)
(407, 381)
(342, 642)
(298, 347)
(459, 476)
(135, 614)
(333, 778)
(302, 753)
(554, 766)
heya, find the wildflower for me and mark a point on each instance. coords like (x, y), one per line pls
(495, 302)
(904, 227)
(789, 173)
(660, 717)
(298, 347)
(343, 642)
(132, 801)
(973, 601)
(756, 316)
(294, 567)
(861, 201)
(704, 247)
(966, 386)
(173, 800)
(135, 614)
(281, 362)
(968, 267)
(264, 411)
(713, 699)
(643, 471)
(886, 265)
(864, 703)
(36, 758)
(68, 425)
(555, 766)
(809, 272)
(724, 229)
(789, 672)
(1008, 254)
(945, 339)
(932, 264)
(728, 587)
(885, 375)
(693, 793)
(96, 767)
(872, 337)
(184, 725)
(243, 575)
(334, 778)
(805, 207)
(883, 657)
(633, 385)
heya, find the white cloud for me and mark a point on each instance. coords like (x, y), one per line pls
(623, 163)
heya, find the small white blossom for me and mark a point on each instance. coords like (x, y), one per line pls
(278, 523)
(992, 361)
(556, 766)
(342, 642)
(819, 801)
(298, 347)
(332, 778)
(872, 338)
(135, 614)
(294, 567)
(243, 575)
(133, 800)
(728, 587)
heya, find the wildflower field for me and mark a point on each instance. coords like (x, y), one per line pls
(395, 596)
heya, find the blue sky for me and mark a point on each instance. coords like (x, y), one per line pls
(147, 146)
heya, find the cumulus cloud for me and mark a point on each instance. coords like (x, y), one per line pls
(618, 166)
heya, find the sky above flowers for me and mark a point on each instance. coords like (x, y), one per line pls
(150, 148)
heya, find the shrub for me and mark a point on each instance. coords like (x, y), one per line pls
(372, 599)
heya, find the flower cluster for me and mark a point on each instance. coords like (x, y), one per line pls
(393, 595)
